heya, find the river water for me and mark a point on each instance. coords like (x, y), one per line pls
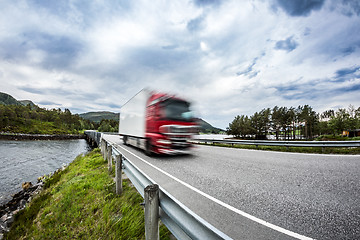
(25, 161)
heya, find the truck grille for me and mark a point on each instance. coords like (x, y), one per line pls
(178, 130)
(179, 143)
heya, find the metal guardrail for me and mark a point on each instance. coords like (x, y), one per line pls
(182, 222)
(94, 136)
(283, 143)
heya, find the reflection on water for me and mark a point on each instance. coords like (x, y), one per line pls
(25, 161)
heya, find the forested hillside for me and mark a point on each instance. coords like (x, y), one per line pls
(6, 99)
(98, 116)
(26, 117)
(36, 120)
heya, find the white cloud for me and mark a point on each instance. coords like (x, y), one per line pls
(204, 47)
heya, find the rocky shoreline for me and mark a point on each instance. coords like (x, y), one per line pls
(19, 202)
(22, 136)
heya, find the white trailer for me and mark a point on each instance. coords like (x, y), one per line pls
(132, 118)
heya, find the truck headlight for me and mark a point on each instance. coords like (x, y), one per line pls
(164, 142)
(165, 129)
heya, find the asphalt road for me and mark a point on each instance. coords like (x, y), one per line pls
(317, 196)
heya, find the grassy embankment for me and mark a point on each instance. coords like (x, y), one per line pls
(80, 203)
(325, 150)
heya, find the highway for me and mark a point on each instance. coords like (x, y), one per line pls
(249, 194)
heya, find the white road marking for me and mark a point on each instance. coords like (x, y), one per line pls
(242, 213)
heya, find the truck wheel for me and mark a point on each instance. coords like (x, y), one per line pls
(125, 140)
(148, 148)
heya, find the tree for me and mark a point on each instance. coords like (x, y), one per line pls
(265, 120)
(234, 127)
(108, 125)
(310, 119)
(327, 115)
(338, 122)
(292, 119)
(284, 120)
(260, 123)
(352, 121)
(240, 126)
(256, 124)
(345, 119)
(276, 120)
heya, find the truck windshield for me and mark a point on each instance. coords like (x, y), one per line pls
(174, 109)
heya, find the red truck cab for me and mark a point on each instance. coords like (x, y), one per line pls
(169, 124)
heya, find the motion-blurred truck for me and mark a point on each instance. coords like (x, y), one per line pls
(158, 123)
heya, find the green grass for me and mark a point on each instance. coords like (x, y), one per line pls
(320, 150)
(80, 203)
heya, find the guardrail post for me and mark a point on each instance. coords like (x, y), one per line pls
(118, 174)
(103, 148)
(109, 157)
(151, 196)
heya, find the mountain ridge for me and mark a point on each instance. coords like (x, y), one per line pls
(100, 115)
(7, 99)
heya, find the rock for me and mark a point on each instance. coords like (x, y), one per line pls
(3, 227)
(22, 204)
(26, 185)
(10, 220)
(3, 218)
(16, 211)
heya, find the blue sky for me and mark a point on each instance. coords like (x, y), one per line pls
(228, 57)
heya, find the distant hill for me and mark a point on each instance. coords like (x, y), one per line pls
(7, 99)
(98, 116)
(206, 127)
(27, 102)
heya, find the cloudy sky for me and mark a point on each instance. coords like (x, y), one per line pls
(228, 57)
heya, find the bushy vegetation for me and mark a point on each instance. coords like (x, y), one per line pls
(108, 125)
(36, 120)
(98, 116)
(80, 203)
(295, 123)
